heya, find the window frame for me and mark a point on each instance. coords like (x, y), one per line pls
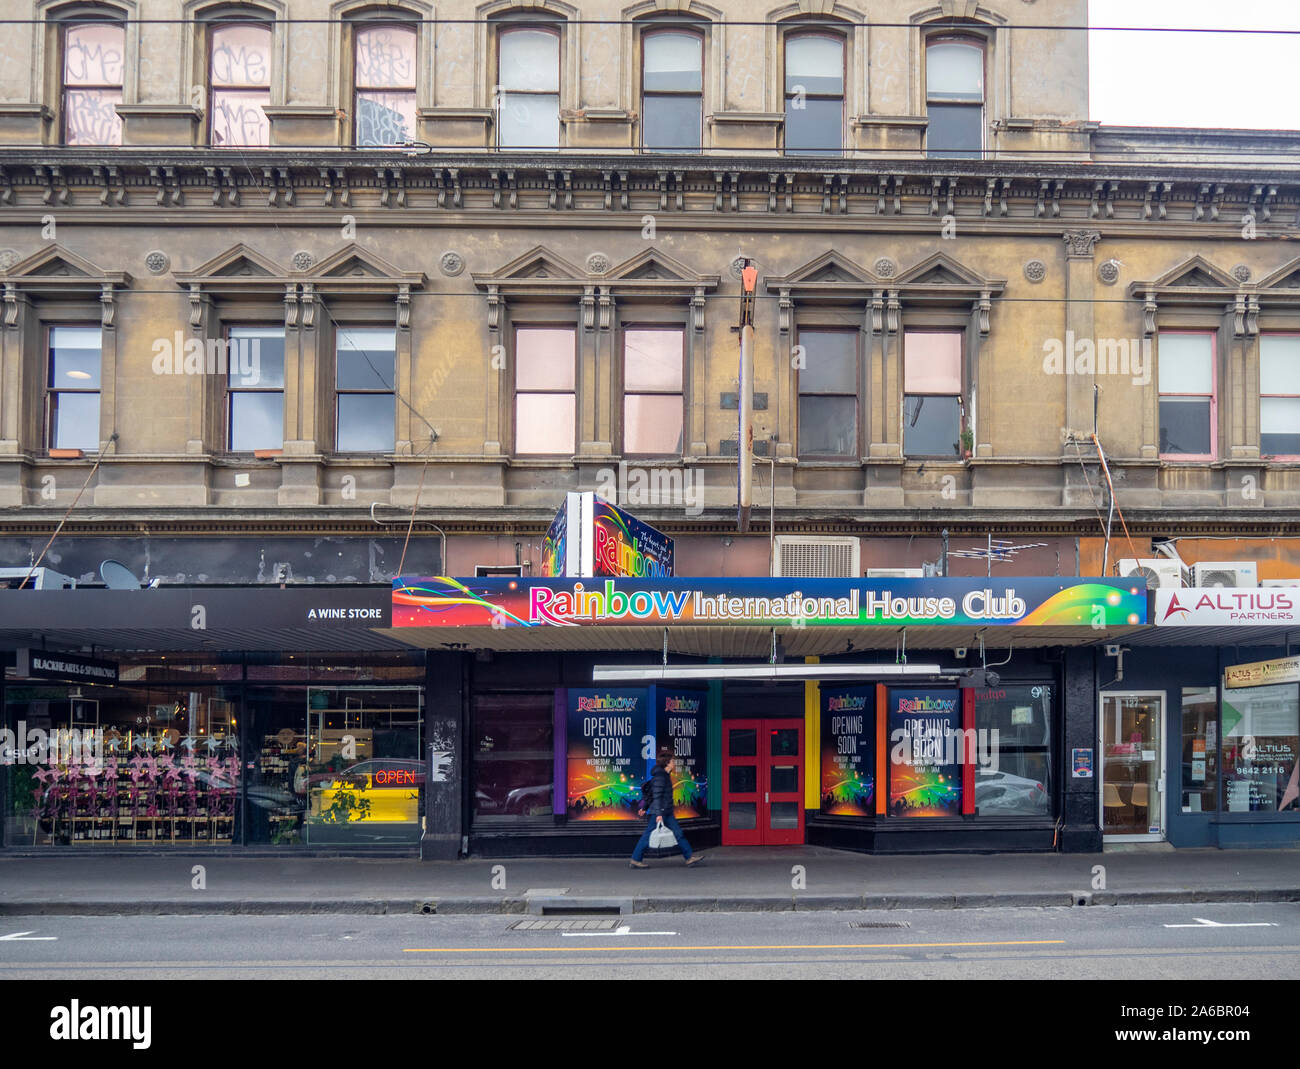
(813, 327)
(974, 41)
(681, 31)
(515, 392)
(1282, 457)
(644, 325)
(50, 391)
(963, 372)
(358, 26)
(1192, 458)
(792, 34)
(229, 21)
(245, 323)
(499, 91)
(340, 327)
(63, 26)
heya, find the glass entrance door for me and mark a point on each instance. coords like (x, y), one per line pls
(762, 782)
(1133, 775)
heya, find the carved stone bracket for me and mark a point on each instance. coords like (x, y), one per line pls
(56, 186)
(505, 191)
(1079, 244)
(588, 307)
(1245, 316)
(450, 191)
(164, 178)
(6, 187)
(697, 310)
(403, 307)
(107, 308)
(1155, 199)
(114, 190)
(1103, 199)
(1046, 186)
(279, 186)
(606, 303)
(12, 298)
(982, 312)
(494, 309)
(223, 185)
(877, 312)
(336, 187)
(784, 308)
(196, 305)
(1149, 314)
(892, 309)
(308, 306)
(291, 306)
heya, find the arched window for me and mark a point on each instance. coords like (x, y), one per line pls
(239, 84)
(528, 88)
(384, 73)
(93, 65)
(672, 91)
(954, 97)
(814, 94)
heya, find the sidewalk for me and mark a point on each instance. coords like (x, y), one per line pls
(730, 879)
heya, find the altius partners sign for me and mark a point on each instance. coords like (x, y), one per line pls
(1215, 606)
(442, 601)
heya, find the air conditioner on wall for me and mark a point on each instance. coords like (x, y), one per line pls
(1156, 571)
(1225, 573)
(813, 557)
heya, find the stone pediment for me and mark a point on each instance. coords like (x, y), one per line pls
(537, 264)
(352, 261)
(829, 269)
(1196, 273)
(652, 265)
(237, 262)
(1286, 280)
(58, 264)
(941, 270)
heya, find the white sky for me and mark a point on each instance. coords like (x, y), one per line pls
(1195, 79)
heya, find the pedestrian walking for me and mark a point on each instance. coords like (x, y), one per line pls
(658, 809)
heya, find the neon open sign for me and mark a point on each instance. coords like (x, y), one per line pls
(397, 777)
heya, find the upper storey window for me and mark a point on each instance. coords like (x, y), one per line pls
(384, 83)
(672, 92)
(814, 95)
(954, 95)
(239, 76)
(93, 63)
(528, 95)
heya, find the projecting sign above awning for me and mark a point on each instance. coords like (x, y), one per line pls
(503, 603)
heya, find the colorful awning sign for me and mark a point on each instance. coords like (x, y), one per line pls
(442, 601)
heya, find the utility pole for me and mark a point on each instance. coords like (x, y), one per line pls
(745, 402)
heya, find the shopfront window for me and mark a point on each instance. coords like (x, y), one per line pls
(122, 765)
(1014, 730)
(1200, 750)
(513, 755)
(1261, 737)
(335, 765)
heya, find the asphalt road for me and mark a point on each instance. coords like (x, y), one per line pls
(1248, 941)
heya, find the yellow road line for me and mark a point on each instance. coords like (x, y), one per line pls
(774, 946)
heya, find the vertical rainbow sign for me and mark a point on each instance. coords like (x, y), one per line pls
(590, 537)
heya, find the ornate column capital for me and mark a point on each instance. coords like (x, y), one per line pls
(1079, 244)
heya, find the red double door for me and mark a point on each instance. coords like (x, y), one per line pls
(762, 782)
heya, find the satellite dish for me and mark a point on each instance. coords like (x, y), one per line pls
(117, 576)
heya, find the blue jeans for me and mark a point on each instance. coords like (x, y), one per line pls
(670, 822)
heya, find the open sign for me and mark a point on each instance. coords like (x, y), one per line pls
(397, 777)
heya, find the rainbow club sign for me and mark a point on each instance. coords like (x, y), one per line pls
(442, 601)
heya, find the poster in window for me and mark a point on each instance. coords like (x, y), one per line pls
(1261, 738)
(848, 765)
(680, 725)
(604, 759)
(924, 773)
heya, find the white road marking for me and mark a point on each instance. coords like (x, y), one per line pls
(27, 937)
(622, 930)
(1201, 922)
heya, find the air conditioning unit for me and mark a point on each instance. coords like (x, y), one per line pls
(895, 573)
(485, 571)
(810, 557)
(1158, 572)
(1225, 573)
(37, 579)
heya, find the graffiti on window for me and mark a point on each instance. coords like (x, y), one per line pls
(93, 56)
(90, 117)
(238, 119)
(385, 118)
(385, 58)
(235, 63)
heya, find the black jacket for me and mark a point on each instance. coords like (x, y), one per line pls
(661, 793)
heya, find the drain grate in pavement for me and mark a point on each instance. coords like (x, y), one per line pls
(879, 924)
(568, 924)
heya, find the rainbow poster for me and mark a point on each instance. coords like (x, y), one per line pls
(604, 759)
(624, 546)
(848, 765)
(924, 771)
(680, 723)
(442, 601)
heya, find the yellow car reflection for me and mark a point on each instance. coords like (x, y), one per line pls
(393, 789)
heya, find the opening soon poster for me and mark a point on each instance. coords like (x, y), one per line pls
(680, 724)
(848, 764)
(604, 758)
(924, 770)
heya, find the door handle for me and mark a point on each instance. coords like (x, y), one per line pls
(766, 797)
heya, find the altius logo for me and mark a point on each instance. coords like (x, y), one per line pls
(102, 1022)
